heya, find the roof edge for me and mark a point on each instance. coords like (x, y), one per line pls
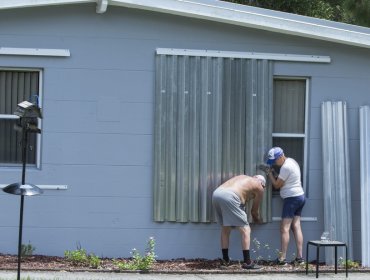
(230, 14)
(235, 16)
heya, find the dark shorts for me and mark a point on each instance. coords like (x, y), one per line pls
(293, 206)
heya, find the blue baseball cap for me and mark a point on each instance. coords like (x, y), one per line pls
(274, 154)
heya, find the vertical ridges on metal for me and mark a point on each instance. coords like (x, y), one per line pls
(365, 183)
(336, 175)
(212, 121)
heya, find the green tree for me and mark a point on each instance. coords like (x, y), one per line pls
(347, 11)
(359, 11)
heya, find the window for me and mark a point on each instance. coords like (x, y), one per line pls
(211, 124)
(15, 87)
(289, 127)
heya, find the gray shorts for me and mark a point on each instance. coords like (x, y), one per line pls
(228, 208)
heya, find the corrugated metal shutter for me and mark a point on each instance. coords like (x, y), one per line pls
(212, 122)
(336, 183)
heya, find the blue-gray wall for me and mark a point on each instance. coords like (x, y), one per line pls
(97, 133)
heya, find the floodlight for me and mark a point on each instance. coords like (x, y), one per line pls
(27, 109)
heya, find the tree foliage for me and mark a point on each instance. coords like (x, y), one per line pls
(347, 11)
(359, 10)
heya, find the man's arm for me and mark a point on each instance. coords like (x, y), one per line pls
(276, 183)
(256, 204)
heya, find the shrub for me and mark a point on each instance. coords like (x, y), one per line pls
(139, 262)
(350, 263)
(94, 261)
(27, 250)
(259, 249)
(80, 257)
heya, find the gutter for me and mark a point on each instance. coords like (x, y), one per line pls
(101, 6)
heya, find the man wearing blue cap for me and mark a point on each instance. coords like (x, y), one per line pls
(289, 183)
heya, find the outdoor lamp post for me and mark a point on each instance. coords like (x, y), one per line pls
(27, 123)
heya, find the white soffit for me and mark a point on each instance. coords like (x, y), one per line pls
(228, 13)
(34, 52)
(252, 55)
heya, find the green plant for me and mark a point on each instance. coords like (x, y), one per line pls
(77, 257)
(94, 261)
(258, 250)
(139, 262)
(80, 257)
(27, 250)
(350, 263)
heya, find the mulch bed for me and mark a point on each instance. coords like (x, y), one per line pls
(54, 263)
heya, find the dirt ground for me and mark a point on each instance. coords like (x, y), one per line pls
(39, 262)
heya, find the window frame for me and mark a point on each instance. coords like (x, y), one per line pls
(14, 117)
(299, 135)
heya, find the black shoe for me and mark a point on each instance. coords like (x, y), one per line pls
(281, 262)
(252, 265)
(299, 261)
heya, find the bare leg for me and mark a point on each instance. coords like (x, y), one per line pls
(225, 234)
(245, 233)
(298, 236)
(284, 229)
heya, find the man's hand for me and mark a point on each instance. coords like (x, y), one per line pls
(256, 216)
(257, 220)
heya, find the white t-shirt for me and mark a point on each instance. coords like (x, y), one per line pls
(290, 173)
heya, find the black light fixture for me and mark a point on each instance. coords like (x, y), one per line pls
(28, 114)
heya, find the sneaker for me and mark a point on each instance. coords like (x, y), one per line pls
(281, 262)
(299, 261)
(252, 265)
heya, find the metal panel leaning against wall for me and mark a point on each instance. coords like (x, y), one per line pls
(365, 183)
(336, 184)
(212, 122)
